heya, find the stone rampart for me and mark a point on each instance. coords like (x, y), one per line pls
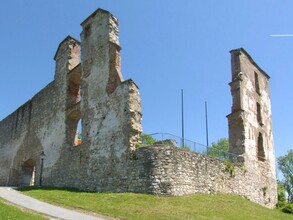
(164, 169)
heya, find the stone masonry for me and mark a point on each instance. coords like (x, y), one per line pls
(88, 124)
(250, 123)
(87, 121)
(164, 169)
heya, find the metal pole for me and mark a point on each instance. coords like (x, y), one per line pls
(41, 174)
(8, 180)
(42, 164)
(207, 129)
(182, 114)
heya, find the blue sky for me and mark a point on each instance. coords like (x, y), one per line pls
(166, 46)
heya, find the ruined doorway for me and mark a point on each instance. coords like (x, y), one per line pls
(28, 173)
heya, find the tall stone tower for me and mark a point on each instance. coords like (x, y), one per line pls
(250, 125)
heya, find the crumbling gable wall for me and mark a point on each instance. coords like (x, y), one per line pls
(109, 110)
(91, 94)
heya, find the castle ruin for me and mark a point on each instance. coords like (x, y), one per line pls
(87, 123)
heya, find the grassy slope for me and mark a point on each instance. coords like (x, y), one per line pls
(141, 206)
(12, 212)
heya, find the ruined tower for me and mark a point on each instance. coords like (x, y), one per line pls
(83, 129)
(250, 125)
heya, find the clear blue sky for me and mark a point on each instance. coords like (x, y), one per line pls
(166, 46)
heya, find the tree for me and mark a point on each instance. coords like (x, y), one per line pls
(219, 149)
(285, 165)
(281, 195)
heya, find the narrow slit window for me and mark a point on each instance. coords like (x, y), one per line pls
(260, 148)
(259, 117)
(78, 137)
(78, 132)
(88, 30)
(256, 81)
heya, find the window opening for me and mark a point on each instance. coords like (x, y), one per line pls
(73, 113)
(88, 30)
(78, 136)
(256, 81)
(74, 128)
(259, 117)
(260, 148)
(73, 94)
(28, 173)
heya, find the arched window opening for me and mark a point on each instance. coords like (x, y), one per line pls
(260, 148)
(28, 173)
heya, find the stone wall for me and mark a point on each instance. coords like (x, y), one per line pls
(34, 126)
(164, 169)
(89, 92)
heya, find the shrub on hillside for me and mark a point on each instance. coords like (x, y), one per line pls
(281, 195)
(288, 208)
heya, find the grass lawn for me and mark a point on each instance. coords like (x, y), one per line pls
(11, 212)
(142, 206)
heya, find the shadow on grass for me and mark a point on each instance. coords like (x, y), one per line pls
(76, 190)
(30, 188)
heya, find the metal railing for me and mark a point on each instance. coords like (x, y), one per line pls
(193, 146)
(181, 143)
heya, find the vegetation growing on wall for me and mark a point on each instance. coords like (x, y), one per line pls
(219, 149)
(230, 167)
(146, 139)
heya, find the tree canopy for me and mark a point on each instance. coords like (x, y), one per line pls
(285, 165)
(219, 149)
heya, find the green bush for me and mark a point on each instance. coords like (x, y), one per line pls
(281, 205)
(288, 208)
(147, 139)
(281, 195)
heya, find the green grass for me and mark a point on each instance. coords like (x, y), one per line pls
(142, 206)
(11, 212)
